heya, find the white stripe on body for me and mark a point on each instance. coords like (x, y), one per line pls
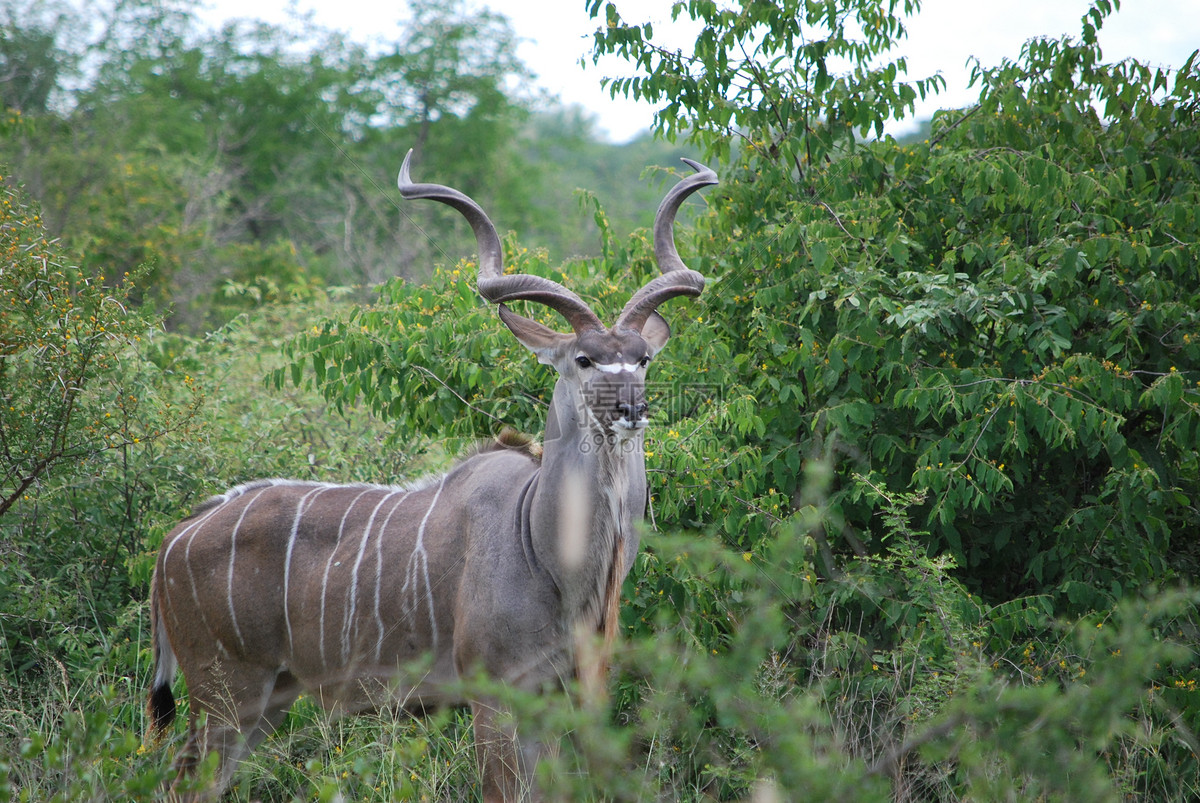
(418, 570)
(191, 531)
(329, 564)
(379, 576)
(287, 561)
(351, 607)
(237, 631)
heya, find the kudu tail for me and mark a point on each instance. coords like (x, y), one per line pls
(160, 706)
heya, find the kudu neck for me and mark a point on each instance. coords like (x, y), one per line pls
(591, 490)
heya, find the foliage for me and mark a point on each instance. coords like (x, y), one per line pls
(77, 402)
(923, 462)
(72, 738)
(1002, 318)
(248, 165)
(789, 81)
(65, 340)
(618, 199)
(30, 60)
(880, 684)
(257, 150)
(391, 357)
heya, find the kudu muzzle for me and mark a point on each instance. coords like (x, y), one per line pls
(618, 402)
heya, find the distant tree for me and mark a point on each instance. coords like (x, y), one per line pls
(44, 45)
(250, 163)
(29, 68)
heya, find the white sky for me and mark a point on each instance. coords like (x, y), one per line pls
(556, 33)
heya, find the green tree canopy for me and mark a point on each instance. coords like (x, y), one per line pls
(1002, 318)
(253, 158)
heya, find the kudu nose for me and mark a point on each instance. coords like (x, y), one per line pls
(633, 412)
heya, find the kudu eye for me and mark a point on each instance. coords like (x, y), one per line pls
(644, 361)
(583, 362)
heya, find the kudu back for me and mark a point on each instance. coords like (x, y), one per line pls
(279, 587)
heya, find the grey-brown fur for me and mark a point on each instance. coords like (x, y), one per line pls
(366, 594)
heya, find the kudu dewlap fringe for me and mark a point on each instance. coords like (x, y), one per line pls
(365, 594)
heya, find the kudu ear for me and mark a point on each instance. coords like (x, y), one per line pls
(656, 331)
(541, 340)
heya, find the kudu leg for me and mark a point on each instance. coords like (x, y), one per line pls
(240, 706)
(506, 765)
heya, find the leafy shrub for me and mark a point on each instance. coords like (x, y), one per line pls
(1002, 318)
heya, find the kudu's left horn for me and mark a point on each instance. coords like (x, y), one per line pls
(493, 283)
(676, 279)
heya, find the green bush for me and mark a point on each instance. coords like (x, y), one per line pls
(1003, 318)
(923, 468)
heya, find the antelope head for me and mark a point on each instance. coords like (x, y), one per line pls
(602, 370)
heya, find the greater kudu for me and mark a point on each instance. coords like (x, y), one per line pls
(278, 587)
